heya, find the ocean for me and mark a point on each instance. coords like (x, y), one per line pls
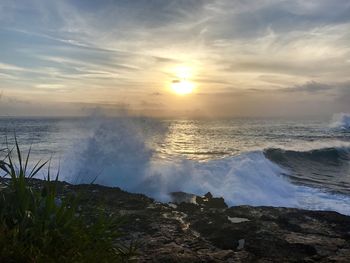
(272, 162)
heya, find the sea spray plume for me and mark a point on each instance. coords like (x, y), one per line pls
(341, 121)
(114, 153)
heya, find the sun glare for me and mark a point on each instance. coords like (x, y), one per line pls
(182, 85)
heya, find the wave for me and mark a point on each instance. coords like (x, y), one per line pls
(330, 156)
(341, 121)
(327, 168)
(115, 154)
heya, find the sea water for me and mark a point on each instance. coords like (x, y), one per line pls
(274, 162)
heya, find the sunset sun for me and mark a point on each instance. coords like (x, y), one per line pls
(182, 85)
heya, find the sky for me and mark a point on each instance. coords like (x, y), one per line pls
(252, 58)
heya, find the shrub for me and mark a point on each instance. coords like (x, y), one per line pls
(38, 226)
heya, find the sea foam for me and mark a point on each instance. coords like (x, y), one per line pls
(115, 153)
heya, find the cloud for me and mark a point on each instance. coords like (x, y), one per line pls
(89, 51)
(309, 87)
(250, 19)
(9, 67)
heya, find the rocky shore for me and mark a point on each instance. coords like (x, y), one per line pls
(204, 229)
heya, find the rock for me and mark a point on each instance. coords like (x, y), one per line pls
(209, 201)
(182, 197)
(208, 231)
(208, 195)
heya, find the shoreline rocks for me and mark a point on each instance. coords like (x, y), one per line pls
(206, 230)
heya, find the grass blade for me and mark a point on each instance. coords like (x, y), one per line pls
(27, 159)
(19, 157)
(34, 172)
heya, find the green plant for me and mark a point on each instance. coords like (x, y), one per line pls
(38, 225)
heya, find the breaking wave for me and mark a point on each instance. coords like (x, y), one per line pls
(115, 153)
(321, 168)
(341, 121)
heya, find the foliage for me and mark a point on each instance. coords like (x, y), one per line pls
(38, 225)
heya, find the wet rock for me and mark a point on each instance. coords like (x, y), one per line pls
(182, 197)
(209, 201)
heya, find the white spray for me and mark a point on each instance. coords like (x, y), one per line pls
(115, 153)
(341, 121)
